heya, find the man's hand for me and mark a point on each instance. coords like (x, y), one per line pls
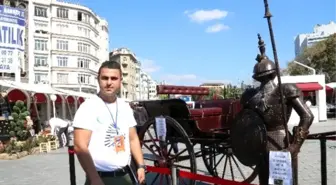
(141, 175)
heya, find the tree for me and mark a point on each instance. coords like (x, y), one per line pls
(321, 56)
(18, 127)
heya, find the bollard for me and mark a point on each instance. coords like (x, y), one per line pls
(323, 161)
(71, 153)
(174, 175)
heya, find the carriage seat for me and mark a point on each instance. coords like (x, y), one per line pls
(207, 119)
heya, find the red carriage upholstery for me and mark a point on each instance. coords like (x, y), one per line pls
(207, 119)
(230, 108)
(186, 90)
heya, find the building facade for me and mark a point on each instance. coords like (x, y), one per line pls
(136, 84)
(67, 44)
(321, 32)
(21, 4)
(130, 69)
(146, 87)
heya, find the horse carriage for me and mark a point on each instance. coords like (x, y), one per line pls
(191, 133)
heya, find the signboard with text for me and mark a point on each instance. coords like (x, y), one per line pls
(12, 34)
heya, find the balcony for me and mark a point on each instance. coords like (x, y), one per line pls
(125, 73)
(124, 64)
(41, 82)
(124, 82)
(41, 67)
(41, 33)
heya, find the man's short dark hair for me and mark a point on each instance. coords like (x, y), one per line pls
(111, 65)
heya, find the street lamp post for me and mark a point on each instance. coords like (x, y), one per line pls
(53, 99)
(303, 65)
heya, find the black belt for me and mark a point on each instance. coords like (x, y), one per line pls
(117, 173)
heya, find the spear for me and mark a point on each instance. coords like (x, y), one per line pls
(268, 16)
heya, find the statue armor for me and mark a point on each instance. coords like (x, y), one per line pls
(266, 102)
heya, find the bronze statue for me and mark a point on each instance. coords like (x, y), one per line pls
(261, 126)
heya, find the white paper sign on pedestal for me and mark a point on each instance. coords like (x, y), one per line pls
(280, 168)
(161, 127)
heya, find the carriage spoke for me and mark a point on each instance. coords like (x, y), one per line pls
(219, 161)
(150, 135)
(231, 169)
(226, 159)
(241, 172)
(170, 149)
(151, 150)
(176, 155)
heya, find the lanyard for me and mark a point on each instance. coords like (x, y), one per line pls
(114, 122)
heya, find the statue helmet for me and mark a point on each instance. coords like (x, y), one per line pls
(264, 68)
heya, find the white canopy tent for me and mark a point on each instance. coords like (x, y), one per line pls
(6, 83)
(332, 85)
(74, 93)
(41, 88)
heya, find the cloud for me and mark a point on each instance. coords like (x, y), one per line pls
(217, 28)
(201, 16)
(149, 66)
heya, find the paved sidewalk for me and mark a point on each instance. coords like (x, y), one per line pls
(53, 168)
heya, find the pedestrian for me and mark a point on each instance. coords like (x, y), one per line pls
(59, 126)
(105, 135)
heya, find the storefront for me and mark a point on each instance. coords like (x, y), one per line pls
(313, 89)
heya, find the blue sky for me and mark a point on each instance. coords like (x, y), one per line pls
(177, 41)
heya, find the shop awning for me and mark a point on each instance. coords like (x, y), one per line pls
(311, 86)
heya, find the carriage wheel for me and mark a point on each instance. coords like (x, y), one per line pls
(176, 150)
(221, 162)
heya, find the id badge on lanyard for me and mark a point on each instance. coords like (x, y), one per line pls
(119, 140)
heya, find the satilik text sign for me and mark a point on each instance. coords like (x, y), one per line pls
(12, 34)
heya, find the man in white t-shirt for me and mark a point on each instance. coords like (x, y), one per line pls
(105, 135)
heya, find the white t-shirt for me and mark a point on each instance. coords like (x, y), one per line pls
(95, 115)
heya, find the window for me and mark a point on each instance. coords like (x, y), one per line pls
(40, 12)
(62, 78)
(83, 79)
(41, 45)
(41, 61)
(84, 48)
(62, 61)
(85, 32)
(62, 27)
(83, 63)
(41, 77)
(83, 17)
(62, 13)
(104, 28)
(62, 45)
